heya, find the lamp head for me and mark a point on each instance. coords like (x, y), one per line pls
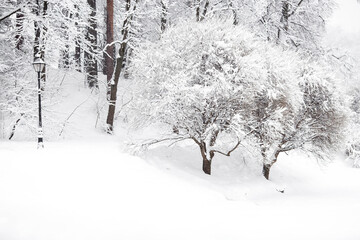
(38, 65)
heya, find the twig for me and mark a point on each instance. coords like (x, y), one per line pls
(5, 17)
(229, 152)
(62, 130)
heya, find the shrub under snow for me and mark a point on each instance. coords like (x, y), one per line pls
(212, 81)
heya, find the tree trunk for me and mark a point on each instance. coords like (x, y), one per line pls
(77, 55)
(206, 162)
(39, 45)
(36, 10)
(91, 36)
(19, 28)
(103, 62)
(118, 68)
(110, 50)
(200, 15)
(284, 28)
(164, 12)
(205, 10)
(206, 166)
(198, 10)
(267, 166)
(266, 170)
(42, 49)
(14, 127)
(65, 53)
(235, 15)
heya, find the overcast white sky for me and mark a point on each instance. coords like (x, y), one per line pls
(344, 27)
(347, 16)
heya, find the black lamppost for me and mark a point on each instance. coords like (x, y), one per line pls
(39, 65)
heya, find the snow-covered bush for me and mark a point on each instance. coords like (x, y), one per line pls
(315, 125)
(18, 91)
(202, 79)
(353, 138)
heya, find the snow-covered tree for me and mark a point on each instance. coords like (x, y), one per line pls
(291, 23)
(44, 28)
(203, 79)
(314, 125)
(353, 139)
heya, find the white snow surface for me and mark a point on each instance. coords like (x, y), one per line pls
(93, 190)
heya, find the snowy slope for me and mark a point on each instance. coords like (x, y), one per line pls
(75, 190)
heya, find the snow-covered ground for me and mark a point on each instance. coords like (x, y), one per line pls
(93, 190)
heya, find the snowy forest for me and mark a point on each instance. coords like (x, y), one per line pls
(179, 119)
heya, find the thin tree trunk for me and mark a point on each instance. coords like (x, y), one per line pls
(164, 12)
(19, 28)
(198, 17)
(284, 28)
(103, 62)
(113, 89)
(39, 49)
(205, 10)
(235, 15)
(43, 39)
(77, 55)
(91, 36)
(65, 58)
(127, 62)
(37, 32)
(14, 127)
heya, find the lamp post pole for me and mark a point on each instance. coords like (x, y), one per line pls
(39, 65)
(40, 131)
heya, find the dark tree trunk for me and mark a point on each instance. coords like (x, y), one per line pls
(126, 62)
(77, 55)
(42, 49)
(113, 89)
(65, 53)
(110, 50)
(14, 127)
(19, 28)
(214, 137)
(39, 46)
(206, 167)
(200, 15)
(284, 28)
(267, 167)
(164, 12)
(104, 70)
(37, 29)
(91, 36)
(235, 15)
(119, 66)
(205, 10)
(266, 170)
(197, 4)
